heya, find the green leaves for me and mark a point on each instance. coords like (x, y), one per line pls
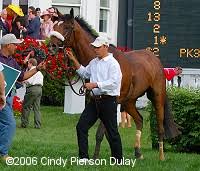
(186, 111)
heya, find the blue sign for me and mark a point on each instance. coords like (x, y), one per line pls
(10, 75)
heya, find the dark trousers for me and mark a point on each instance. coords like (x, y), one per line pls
(106, 110)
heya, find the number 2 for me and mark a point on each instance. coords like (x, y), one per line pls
(156, 28)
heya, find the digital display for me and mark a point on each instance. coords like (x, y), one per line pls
(170, 29)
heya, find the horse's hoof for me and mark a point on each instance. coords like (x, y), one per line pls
(138, 154)
(141, 157)
(162, 158)
(95, 157)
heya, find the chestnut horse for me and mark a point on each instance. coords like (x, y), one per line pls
(142, 72)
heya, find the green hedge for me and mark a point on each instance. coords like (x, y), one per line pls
(185, 105)
(52, 92)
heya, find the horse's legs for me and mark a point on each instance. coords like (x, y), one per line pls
(159, 108)
(123, 119)
(101, 130)
(131, 109)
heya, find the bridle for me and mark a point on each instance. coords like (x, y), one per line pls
(65, 45)
(68, 36)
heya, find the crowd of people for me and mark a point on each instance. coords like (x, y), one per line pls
(35, 24)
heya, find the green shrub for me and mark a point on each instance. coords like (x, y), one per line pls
(186, 111)
(52, 93)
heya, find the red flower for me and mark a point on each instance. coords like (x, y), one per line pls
(17, 104)
(57, 66)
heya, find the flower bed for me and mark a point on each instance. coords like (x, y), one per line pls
(56, 65)
(57, 68)
(17, 106)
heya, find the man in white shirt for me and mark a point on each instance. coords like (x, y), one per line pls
(105, 82)
(32, 97)
(2, 88)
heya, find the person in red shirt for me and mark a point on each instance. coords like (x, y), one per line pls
(170, 73)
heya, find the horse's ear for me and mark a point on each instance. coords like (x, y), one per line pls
(72, 12)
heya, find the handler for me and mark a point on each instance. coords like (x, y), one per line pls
(105, 82)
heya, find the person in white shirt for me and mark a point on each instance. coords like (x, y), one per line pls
(105, 77)
(32, 97)
(2, 89)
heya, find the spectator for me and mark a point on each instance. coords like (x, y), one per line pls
(51, 11)
(3, 22)
(33, 28)
(38, 12)
(16, 13)
(46, 26)
(32, 97)
(170, 73)
(7, 120)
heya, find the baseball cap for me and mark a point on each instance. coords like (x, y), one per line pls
(99, 41)
(10, 38)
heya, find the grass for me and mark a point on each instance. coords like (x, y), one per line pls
(57, 139)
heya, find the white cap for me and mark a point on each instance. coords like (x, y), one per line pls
(99, 41)
(10, 38)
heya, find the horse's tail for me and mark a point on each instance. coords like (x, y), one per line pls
(170, 127)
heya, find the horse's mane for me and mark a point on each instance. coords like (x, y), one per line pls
(88, 28)
(84, 24)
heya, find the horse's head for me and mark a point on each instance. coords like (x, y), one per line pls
(75, 33)
(62, 36)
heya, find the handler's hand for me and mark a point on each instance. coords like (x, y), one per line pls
(73, 58)
(70, 55)
(2, 102)
(90, 86)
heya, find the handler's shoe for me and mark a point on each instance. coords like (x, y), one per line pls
(84, 161)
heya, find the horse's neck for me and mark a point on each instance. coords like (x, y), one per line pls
(82, 47)
(116, 53)
(83, 52)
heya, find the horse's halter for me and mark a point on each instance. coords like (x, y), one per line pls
(66, 39)
(67, 36)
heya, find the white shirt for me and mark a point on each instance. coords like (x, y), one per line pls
(1, 67)
(106, 73)
(36, 79)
